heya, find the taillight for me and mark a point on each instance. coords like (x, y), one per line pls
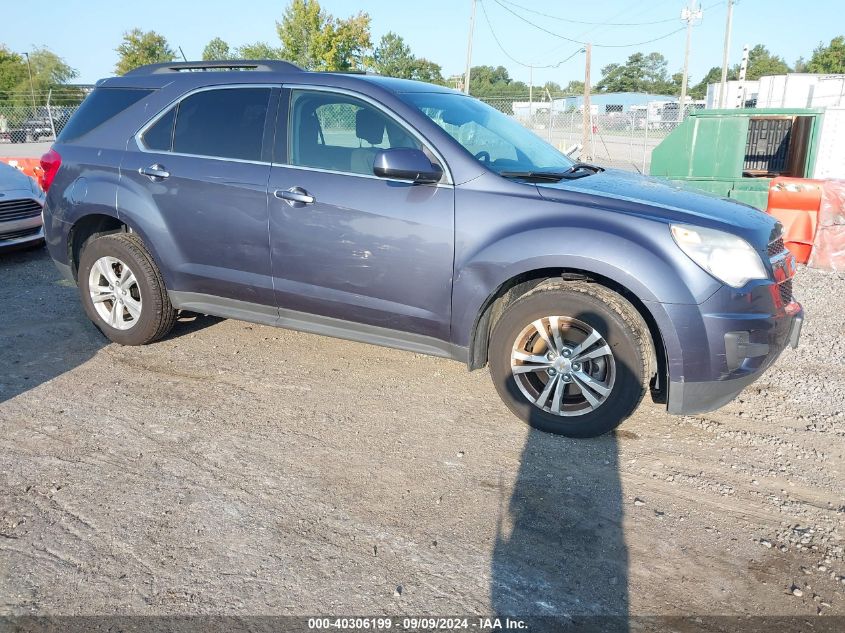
(50, 163)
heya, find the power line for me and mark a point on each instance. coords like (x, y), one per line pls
(509, 56)
(554, 17)
(574, 41)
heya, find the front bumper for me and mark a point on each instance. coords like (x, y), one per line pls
(742, 351)
(703, 396)
(21, 231)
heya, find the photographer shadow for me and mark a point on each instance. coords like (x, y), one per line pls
(560, 549)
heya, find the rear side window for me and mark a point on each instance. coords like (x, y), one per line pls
(100, 106)
(224, 123)
(160, 135)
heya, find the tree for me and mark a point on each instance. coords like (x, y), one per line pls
(316, 40)
(393, 58)
(489, 75)
(216, 49)
(800, 65)
(258, 50)
(49, 72)
(830, 58)
(640, 73)
(346, 43)
(139, 48)
(762, 62)
(574, 87)
(713, 76)
(12, 73)
(428, 71)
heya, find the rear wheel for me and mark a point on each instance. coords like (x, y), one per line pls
(122, 290)
(571, 358)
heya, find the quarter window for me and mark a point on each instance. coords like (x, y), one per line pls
(160, 135)
(340, 133)
(223, 123)
(98, 107)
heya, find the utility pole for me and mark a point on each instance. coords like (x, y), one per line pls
(723, 85)
(587, 135)
(689, 15)
(531, 95)
(31, 85)
(740, 88)
(469, 48)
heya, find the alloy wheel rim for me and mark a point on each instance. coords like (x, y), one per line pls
(563, 366)
(115, 293)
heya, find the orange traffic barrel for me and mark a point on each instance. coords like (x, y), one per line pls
(30, 166)
(795, 203)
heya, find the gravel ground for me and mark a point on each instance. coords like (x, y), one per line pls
(239, 469)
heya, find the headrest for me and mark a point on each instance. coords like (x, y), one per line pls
(369, 126)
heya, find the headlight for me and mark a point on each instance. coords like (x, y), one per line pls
(728, 258)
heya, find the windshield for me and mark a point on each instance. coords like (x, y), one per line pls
(496, 140)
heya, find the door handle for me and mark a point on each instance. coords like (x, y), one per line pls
(155, 172)
(294, 194)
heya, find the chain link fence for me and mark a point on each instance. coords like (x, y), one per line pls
(31, 124)
(619, 135)
(35, 117)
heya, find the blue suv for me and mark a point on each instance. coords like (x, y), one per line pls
(409, 215)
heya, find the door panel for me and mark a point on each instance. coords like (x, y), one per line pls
(367, 250)
(212, 214)
(200, 184)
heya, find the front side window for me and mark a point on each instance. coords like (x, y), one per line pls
(494, 139)
(340, 133)
(222, 123)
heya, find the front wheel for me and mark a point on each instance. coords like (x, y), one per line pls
(571, 358)
(122, 290)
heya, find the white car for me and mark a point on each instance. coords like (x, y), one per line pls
(21, 201)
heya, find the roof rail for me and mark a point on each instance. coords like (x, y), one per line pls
(266, 65)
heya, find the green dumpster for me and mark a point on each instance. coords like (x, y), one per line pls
(736, 153)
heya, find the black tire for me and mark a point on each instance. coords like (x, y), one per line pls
(157, 314)
(607, 313)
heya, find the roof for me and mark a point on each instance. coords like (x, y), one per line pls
(258, 70)
(403, 85)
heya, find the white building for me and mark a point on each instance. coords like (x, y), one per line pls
(793, 90)
(737, 94)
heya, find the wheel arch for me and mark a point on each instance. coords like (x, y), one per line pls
(96, 224)
(518, 285)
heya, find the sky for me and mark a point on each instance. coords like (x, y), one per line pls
(86, 32)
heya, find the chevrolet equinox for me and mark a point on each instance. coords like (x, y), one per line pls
(409, 215)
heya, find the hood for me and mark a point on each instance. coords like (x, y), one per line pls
(626, 192)
(12, 179)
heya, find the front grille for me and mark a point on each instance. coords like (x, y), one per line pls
(18, 234)
(776, 247)
(18, 209)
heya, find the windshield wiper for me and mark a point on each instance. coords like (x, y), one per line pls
(535, 175)
(578, 170)
(584, 167)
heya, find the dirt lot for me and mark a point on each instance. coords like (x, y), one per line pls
(240, 469)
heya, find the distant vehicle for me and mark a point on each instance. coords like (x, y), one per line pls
(410, 215)
(30, 131)
(21, 200)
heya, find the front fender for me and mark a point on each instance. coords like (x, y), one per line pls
(634, 252)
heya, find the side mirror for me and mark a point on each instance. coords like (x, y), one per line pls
(404, 163)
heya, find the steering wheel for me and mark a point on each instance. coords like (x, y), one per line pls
(483, 156)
